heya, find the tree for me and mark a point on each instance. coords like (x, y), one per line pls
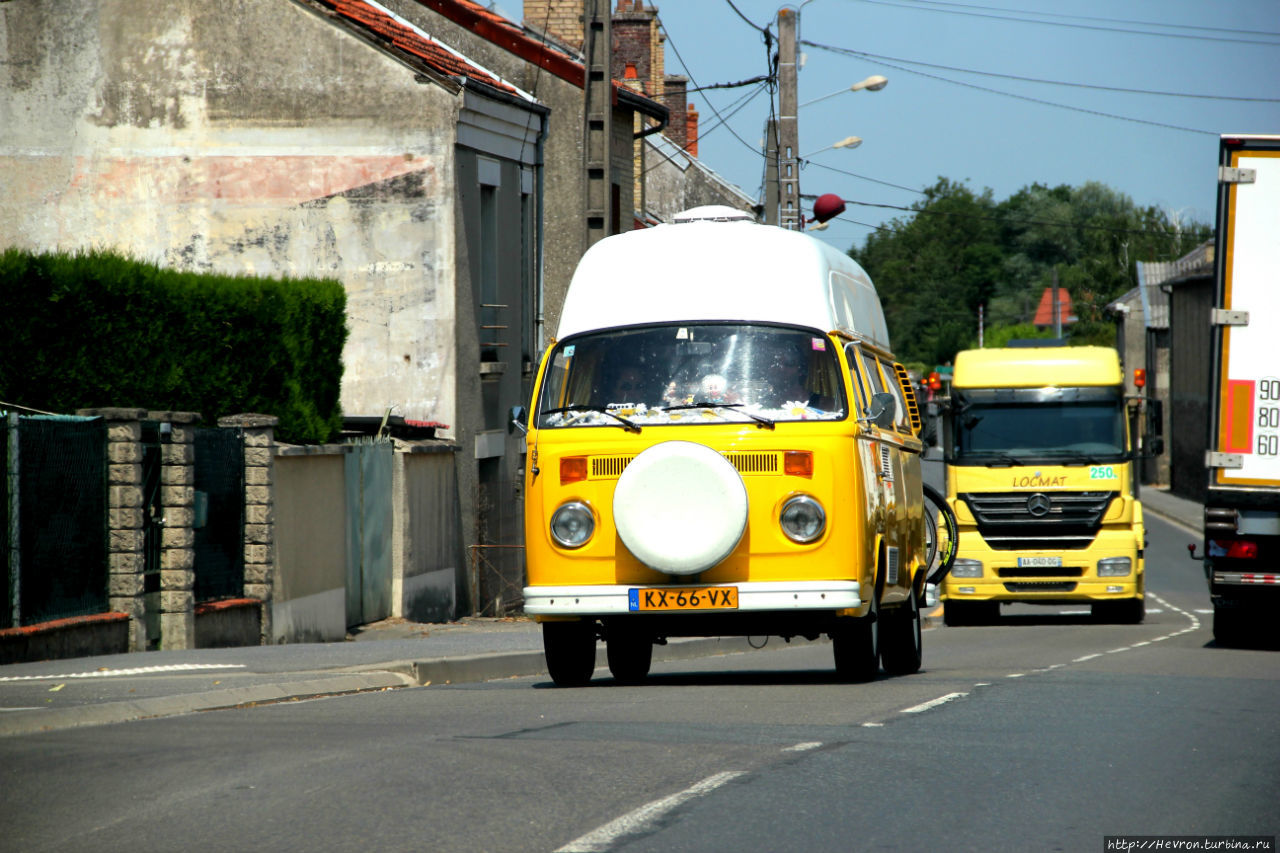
(959, 250)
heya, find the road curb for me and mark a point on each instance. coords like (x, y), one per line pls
(44, 720)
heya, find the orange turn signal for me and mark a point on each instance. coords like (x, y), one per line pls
(798, 463)
(573, 469)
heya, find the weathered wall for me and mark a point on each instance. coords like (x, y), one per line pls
(564, 227)
(250, 136)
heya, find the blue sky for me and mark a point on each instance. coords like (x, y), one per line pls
(919, 127)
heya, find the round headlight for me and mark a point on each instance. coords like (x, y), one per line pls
(803, 519)
(572, 525)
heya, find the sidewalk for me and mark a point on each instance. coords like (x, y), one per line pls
(1158, 501)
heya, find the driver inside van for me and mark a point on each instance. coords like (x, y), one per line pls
(625, 389)
(800, 375)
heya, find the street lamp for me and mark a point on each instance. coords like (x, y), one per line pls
(848, 142)
(874, 83)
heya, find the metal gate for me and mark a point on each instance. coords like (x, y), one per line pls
(219, 514)
(57, 518)
(368, 482)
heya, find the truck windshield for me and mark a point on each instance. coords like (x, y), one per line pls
(692, 374)
(1059, 426)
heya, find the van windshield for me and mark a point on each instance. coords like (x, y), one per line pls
(692, 374)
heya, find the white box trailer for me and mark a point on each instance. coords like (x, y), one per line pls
(1242, 508)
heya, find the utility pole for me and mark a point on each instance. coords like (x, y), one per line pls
(597, 114)
(788, 129)
(771, 172)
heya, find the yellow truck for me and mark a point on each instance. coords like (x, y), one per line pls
(1041, 477)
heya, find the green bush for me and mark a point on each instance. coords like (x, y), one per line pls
(96, 329)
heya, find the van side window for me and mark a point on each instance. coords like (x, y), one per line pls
(903, 419)
(857, 370)
(873, 373)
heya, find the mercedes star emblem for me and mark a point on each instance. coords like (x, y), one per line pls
(1039, 504)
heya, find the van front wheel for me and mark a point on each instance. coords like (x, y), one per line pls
(570, 648)
(856, 647)
(901, 651)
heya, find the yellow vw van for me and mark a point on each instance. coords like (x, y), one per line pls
(721, 444)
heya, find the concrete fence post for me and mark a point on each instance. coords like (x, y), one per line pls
(125, 518)
(259, 509)
(177, 537)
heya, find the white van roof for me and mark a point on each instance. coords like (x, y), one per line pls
(709, 266)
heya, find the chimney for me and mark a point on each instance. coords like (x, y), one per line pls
(559, 18)
(691, 131)
(632, 44)
(675, 86)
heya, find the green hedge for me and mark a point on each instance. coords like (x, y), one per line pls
(96, 329)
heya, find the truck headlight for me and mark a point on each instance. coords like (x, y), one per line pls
(1114, 567)
(966, 569)
(803, 519)
(572, 524)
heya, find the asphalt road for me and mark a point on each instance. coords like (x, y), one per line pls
(1043, 732)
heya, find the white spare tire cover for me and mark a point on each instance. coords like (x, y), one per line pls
(680, 507)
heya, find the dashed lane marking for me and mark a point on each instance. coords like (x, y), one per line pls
(803, 747)
(933, 703)
(645, 817)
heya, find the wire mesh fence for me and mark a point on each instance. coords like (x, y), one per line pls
(497, 573)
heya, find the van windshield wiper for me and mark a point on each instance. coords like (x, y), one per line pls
(763, 421)
(629, 426)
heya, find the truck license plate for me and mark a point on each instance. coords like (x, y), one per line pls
(673, 598)
(1039, 562)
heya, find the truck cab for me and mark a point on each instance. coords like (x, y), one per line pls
(1040, 476)
(720, 443)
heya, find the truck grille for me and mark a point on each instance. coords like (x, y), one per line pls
(1041, 586)
(1061, 521)
(1041, 572)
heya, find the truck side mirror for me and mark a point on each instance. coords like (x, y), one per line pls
(518, 417)
(1155, 427)
(1155, 417)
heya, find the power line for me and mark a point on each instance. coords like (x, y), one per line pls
(1040, 101)
(750, 23)
(685, 66)
(866, 178)
(1071, 26)
(1104, 20)
(865, 55)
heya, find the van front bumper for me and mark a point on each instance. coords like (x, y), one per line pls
(605, 600)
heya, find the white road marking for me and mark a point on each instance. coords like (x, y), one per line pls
(873, 725)
(1085, 658)
(933, 703)
(640, 820)
(803, 747)
(137, 670)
